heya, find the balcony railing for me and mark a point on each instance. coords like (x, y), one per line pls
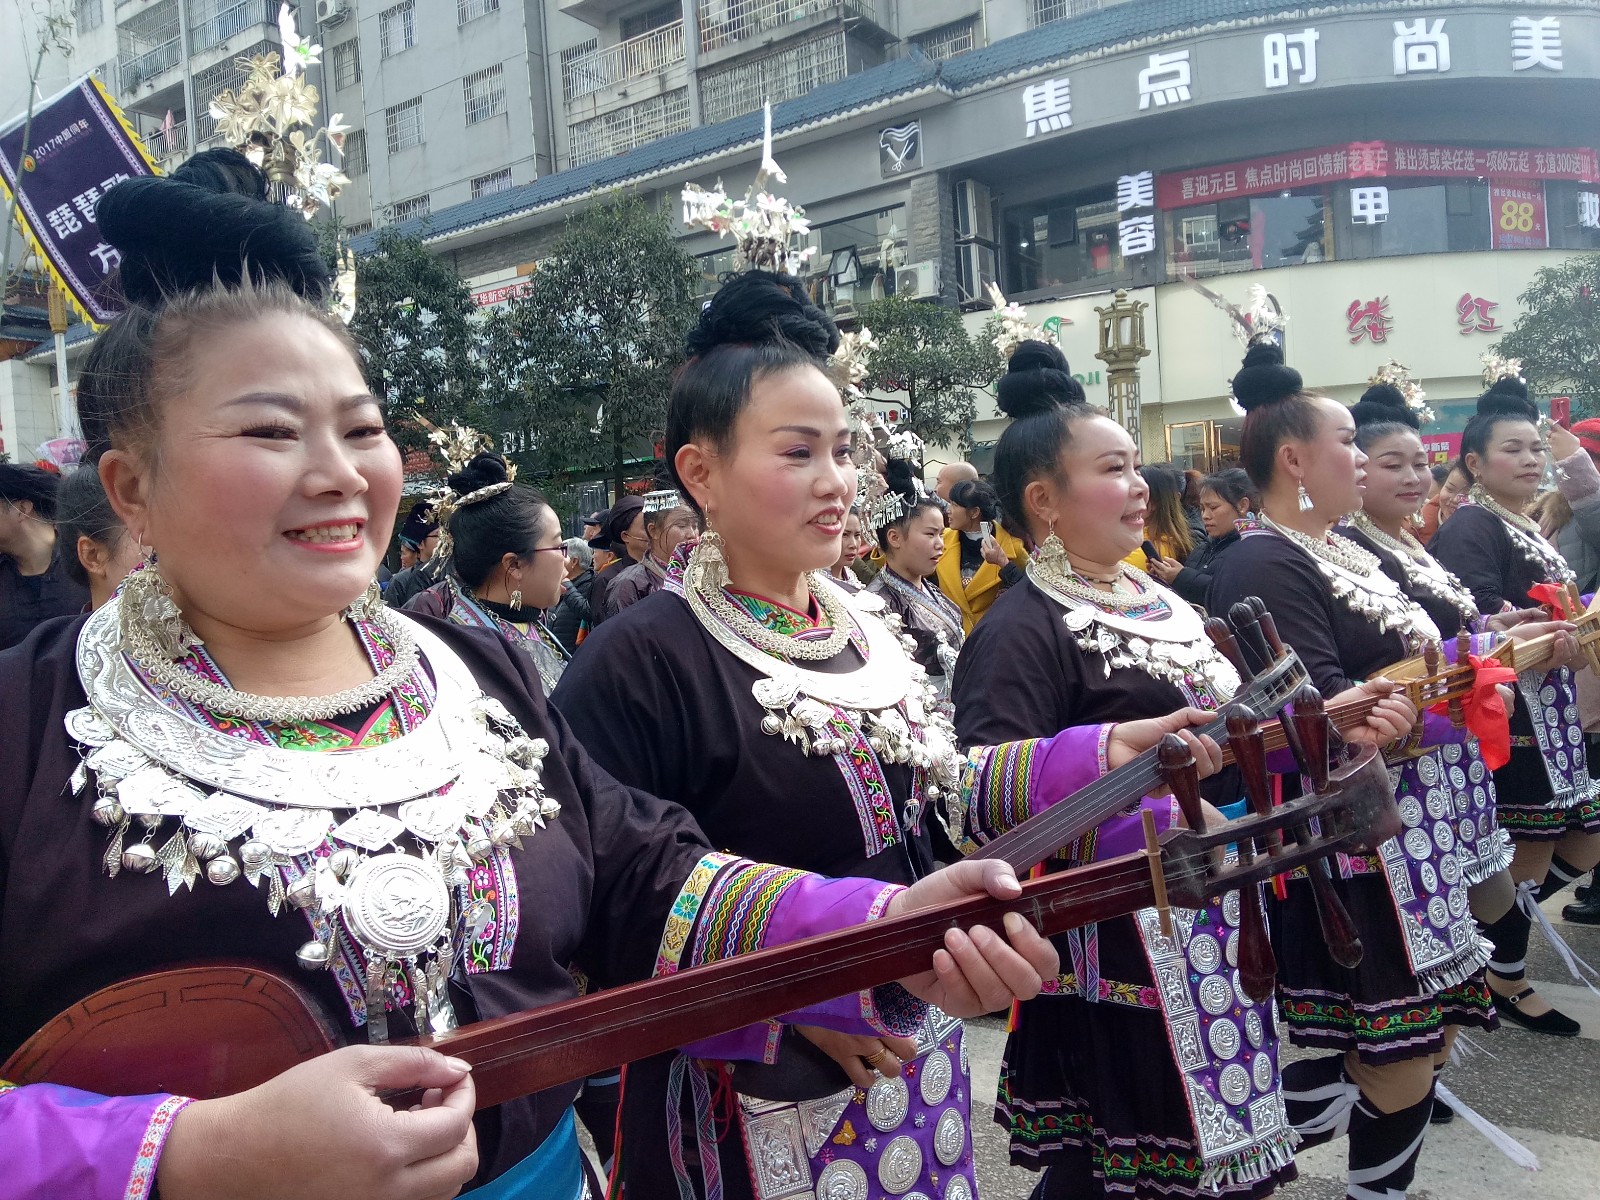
(169, 148)
(638, 57)
(742, 86)
(1045, 11)
(137, 68)
(620, 131)
(723, 22)
(230, 20)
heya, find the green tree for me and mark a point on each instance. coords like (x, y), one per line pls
(1558, 335)
(419, 336)
(582, 360)
(926, 358)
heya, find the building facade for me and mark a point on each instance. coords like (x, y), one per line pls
(1393, 172)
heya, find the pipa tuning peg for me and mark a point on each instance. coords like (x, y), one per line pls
(1338, 930)
(1309, 715)
(1178, 769)
(1228, 646)
(1269, 627)
(1247, 628)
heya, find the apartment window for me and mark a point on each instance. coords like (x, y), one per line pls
(212, 22)
(357, 229)
(355, 153)
(1067, 242)
(346, 59)
(397, 28)
(622, 130)
(947, 41)
(793, 71)
(404, 210)
(488, 185)
(471, 10)
(579, 74)
(88, 14)
(1045, 11)
(485, 94)
(652, 18)
(404, 124)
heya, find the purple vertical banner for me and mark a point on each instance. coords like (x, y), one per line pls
(79, 147)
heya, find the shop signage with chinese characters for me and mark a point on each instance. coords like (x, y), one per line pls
(1369, 160)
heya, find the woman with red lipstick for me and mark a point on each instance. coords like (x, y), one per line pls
(1392, 1017)
(1548, 801)
(910, 530)
(1092, 1091)
(244, 755)
(792, 723)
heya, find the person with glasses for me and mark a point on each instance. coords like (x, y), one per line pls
(509, 561)
(34, 584)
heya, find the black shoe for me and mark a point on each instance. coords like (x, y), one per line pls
(1553, 1023)
(1442, 1113)
(1586, 911)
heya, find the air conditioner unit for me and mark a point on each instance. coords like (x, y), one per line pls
(331, 12)
(975, 271)
(974, 212)
(917, 281)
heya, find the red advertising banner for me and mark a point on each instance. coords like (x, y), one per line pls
(1442, 447)
(1368, 160)
(1516, 216)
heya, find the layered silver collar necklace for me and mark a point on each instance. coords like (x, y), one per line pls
(1525, 536)
(1423, 571)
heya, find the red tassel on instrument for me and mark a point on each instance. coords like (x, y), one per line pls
(1554, 597)
(1485, 709)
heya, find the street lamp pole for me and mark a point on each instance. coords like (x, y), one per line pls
(1122, 345)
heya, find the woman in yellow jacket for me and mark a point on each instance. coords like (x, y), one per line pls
(980, 559)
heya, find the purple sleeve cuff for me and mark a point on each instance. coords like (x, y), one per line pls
(1124, 833)
(1071, 760)
(63, 1142)
(801, 905)
(1002, 786)
(1441, 731)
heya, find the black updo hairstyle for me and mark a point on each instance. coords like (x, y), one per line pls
(901, 477)
(202, 250)
(485, 531)
(1043, 400)
(975, 493)
(1233, 485)
(1382, 412)
(1276, 408)
(758, 324)
(1506, 400)
(20, 482)
(84, 510)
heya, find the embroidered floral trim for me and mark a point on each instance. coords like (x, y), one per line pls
(142, 1178)
(686, 909)
(1134, 995)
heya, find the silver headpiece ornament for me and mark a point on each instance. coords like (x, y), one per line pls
(662, 501)
(763, 226)
(1011, 326)
(1398, 375)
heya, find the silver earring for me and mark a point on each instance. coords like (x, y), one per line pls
(707, 568)
(149, 615)
(1052, 555)
(1305, 501)
(368, 607)
(516, 599)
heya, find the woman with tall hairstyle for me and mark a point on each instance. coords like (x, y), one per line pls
(791, 722)
(1225, 498)
(980, 557)
(1393, 1016)
(1547, 800)
(507, 562)
(35, 583)
(1068, 479)
(379, 805)
(909, 525)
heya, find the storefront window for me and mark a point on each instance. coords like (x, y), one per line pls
(1573, 215)
(1068, 243)
(1205, 445)
(1248, 234)
(855, 259)
(1427, 217)
(713, 267)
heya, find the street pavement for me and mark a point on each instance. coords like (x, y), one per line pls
(1543, 1091)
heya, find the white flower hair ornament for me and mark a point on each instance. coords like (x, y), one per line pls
(1497, 367)
(1397, 375)
(1013, 327)
(764, 227)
